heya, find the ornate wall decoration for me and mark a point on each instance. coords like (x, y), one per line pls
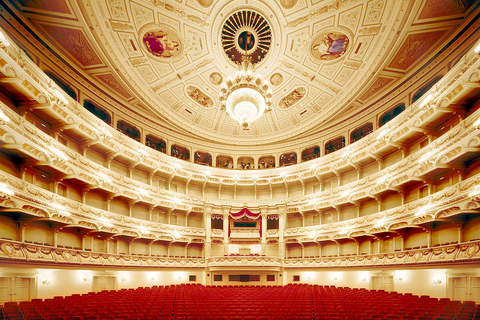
(414, 47)
(200, 97)
(276, 79)
(440, 8)
(216, 78)
(294, 96)
(288, 4)
(47, 5)
(74, 42)
(110, 81)
(117, 9)
(205, 3)
(374, 11)
(329, 46)
(377, 86)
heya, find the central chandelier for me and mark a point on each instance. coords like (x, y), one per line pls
(246, 96)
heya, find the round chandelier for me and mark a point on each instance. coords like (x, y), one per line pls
(246, 96)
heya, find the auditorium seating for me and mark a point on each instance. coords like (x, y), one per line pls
(197, 302)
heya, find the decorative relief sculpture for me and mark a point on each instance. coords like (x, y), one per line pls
(205, 3)
(288, 4)
(216, 78)
(199, 97)
(295, 96)
(276, 79)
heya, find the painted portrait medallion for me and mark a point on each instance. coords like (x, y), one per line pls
(162, 43)
(329, 46)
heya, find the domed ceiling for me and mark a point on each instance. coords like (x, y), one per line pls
(326, 61)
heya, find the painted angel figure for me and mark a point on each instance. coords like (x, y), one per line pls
(159, 44)
(331, 47)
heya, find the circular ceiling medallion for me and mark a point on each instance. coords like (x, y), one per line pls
(288, 4)
(246, 32)
(276, 79)
(329, 45)
(162, 42)
(216, 78)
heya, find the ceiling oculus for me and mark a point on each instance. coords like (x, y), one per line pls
(247, 33)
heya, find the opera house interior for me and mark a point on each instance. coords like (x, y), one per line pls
(311, 152)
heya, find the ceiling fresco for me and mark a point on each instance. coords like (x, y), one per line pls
(325, 60)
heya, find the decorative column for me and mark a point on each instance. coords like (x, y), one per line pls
(55, 237)
(281, 230)
(461, 232)
(226, 213)
(208, 231)
(263, 211)
(429, 237)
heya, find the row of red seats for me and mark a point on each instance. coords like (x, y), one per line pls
(195, 302)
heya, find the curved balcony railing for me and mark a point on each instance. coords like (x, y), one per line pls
(22, 252)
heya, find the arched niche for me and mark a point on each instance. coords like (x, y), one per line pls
(225, 162)
(266, 162)
(287, 159)
(180, 152)
(361, 132)
(156, 143)
(128, 130)
(334, 145)
(311, 153)
(390, 114)
(98, 112)
(62, 84)
(202, 158)
(245, 163)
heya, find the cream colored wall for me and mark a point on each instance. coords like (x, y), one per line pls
(68, 281)
(417, 282)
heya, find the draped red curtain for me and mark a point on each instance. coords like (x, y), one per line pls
(244, 213)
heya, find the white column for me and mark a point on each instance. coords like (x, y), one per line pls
(226, 213)
(281, 230)
(264, 230)
(208, 233)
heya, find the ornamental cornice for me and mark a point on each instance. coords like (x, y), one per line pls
(13, 251)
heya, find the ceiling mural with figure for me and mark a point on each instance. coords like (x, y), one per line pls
(324, 60)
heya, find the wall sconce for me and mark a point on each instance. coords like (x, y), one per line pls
(86, 279)
(363, 279)
(399, 278)
(152, 279)
(123, 279)
(335, 279)
(46, 282)
(437, 281)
